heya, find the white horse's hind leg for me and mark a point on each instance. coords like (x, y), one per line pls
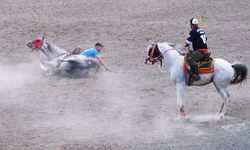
(228, 95)
(223, 75)
(180, 95)
(225, 96)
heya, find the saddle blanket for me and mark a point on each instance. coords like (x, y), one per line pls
(206, 66)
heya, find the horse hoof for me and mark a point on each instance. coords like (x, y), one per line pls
(221, 116)
(183, 114)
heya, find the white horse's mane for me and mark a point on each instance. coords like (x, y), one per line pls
(175, 46)
(55, 48)
(178, 47)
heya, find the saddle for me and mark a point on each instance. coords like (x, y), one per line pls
(206, 65)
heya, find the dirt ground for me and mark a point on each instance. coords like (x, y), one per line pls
(135, 109)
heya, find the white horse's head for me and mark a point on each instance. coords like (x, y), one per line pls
(47, 49)
(156, 51)
(154, 54)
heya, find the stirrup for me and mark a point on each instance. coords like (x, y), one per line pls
(196, 77)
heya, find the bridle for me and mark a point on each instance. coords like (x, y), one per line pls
(159, 58)
(153, 60)
(37, 44)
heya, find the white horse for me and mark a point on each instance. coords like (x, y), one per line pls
(223, 75)
(59, 61)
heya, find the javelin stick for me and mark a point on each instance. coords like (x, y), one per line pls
(151, 42)
(200, 21)
(115, 71)
(148, 40)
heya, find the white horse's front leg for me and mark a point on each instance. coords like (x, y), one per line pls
(180, 86)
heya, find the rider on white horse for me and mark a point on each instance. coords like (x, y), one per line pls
(94, 53)
(198, 39)
(222, 76)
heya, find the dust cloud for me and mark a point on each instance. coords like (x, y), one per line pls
(131, 110)
(13, 77)
(120, 115)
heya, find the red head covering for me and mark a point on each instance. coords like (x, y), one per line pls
(37, 43)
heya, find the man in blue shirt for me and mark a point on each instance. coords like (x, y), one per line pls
(94, 53)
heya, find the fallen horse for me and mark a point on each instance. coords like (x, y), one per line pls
(60, 62)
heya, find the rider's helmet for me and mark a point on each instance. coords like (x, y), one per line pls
(194, 21)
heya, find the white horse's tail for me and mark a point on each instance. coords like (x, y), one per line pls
(240, 73)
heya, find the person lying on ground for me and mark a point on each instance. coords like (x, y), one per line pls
(95, 53)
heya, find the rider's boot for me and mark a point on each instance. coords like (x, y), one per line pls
(194, 69)
(196, 77)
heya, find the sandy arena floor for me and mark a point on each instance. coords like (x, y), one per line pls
(131, 110)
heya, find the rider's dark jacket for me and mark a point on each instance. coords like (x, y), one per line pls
(198, 39)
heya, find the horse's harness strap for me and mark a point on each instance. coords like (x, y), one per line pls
(160, 57)
(167, 50)
(152, 53)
